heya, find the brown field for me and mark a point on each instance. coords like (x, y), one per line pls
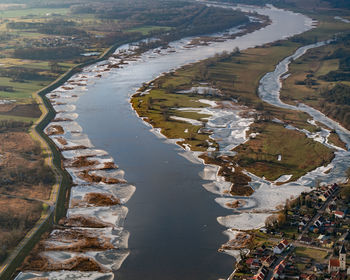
(17, 217)
(25, 180)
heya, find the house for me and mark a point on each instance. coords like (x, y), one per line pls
(338, 276)
(253, 264)
(333, 265)
(306, 240)
(328, 243)
(319, 268)
(324, 196)
(332, 207)
(339, 214)
(262, 273)
(328, 192)
(281, 247)
(278, 271)
(268, 261)
(334, 187)
(319, 222)
(305, 276)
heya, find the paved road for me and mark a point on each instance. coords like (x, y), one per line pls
(279, 259)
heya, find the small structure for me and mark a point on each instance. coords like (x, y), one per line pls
(339, 214)
(306, 240)
(279, 249)
(278, 271)
(253, 264)
(262, 273)
(269, 260)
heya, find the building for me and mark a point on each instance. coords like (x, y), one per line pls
(342, 258)
(339, 214)
(281, 247)
(338, 264)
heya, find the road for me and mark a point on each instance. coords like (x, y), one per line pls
(319, 213)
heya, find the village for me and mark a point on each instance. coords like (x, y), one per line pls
(308, 239)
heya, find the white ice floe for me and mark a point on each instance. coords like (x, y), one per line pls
(72, 154)
(75, 142)
(218, 187)
(244, 221)
(202, 90)
(6, 101)
(112, 214)
(283, 178)
(192, 156)
(209, 102)
(190, 121)
(66, 116)
(64, 275)
(113, 259)
(342, 19)
(210, 172)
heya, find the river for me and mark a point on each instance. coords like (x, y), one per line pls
(172, 219)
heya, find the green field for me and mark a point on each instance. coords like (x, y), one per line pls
(22, 91)
(317, 255)
(299, 153)
(32, 13)
(145, 30)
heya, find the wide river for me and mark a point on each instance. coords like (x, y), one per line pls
(172, 219)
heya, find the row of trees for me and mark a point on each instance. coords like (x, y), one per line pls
(188, 18)
(6, 125)
(20, 74)
(55, 53)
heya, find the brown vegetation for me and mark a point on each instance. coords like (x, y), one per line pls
(76, 240)
(85, 175)
(241, 241)
(17, 217)
(24, 110)
(109, 165)
(55, 130)
(95, 200)
(83, 162)
(83, 221)
(62, 141)
(69, 148)
(36, 262)
(240, 181)
(235, 204)
(101, 199)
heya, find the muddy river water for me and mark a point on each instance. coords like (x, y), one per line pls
(173, 226)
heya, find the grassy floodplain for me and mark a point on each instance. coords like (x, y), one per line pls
(321, 79)
(237, 77)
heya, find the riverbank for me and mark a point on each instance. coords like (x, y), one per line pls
(320, 80)
(161, 103)
(177, 104)
(87, 167)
